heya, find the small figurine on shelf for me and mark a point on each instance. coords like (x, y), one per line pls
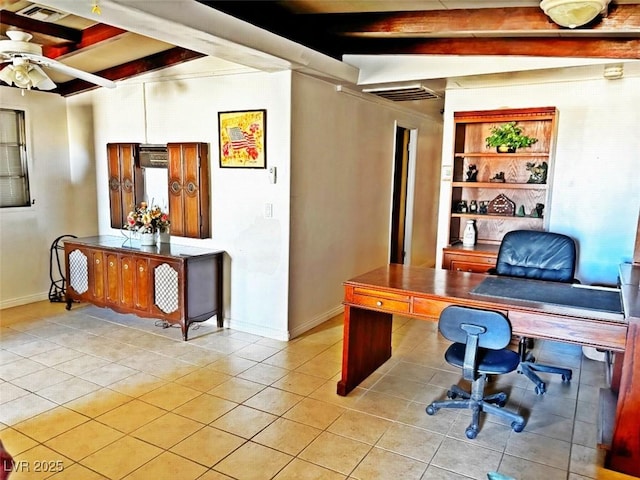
(461, 207)
(473, 207)
(482, 209)
(538, 172)
(537, 212)
(520, 211)
(472, 173)
(499, 178)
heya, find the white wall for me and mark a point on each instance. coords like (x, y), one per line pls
(596, 183)
(341, 180)
(26, 233)
(183, 105)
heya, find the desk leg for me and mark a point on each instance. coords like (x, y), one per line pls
(624, 455)
(366, 345)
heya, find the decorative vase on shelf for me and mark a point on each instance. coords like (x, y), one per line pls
(147, 239)
(470, 234)
(164, 237)
(505, 149)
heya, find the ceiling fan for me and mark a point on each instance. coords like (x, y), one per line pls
(25, 59)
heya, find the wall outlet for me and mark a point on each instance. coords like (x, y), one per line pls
(268, 210)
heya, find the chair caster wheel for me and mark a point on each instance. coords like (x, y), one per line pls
(431, 410)
(540, 389)
(530, 358)
(502, 400)
(451, 394)
(566, 378)
(517, 427)
(471, 433)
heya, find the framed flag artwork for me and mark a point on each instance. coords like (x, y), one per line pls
(243, 139)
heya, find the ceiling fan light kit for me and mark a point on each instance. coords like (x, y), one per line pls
(24, 59)
(573, 13)
(613, 72)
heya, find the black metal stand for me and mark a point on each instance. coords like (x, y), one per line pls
(56, 270)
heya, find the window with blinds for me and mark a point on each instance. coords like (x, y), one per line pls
(14, 180)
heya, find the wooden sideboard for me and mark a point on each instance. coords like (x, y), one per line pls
(174, 283)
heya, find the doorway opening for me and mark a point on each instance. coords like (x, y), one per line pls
(402, 195)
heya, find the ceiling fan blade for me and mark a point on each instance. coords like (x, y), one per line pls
(65, 69)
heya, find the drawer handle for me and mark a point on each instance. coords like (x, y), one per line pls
(111, 264)
(126, 267)
(97, 261)
(142, 269)
(379, 303)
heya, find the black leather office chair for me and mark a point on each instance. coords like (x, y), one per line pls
(480, 338)
(541, 256)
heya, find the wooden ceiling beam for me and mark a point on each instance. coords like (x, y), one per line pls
(531, 21)
(90, 36)
(614, 48)
(173, 56)
(39, 27)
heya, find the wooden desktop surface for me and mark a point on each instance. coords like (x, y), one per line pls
(373, 298)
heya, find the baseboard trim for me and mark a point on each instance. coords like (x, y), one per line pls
(317, 320)
(16, 302)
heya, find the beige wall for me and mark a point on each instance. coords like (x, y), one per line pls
(64, 201)
(341, 177)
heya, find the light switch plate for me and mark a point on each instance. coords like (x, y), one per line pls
(272, 174)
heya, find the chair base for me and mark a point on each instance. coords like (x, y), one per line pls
(529, 369)
(477, 402)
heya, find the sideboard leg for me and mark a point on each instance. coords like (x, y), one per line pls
(185, 331)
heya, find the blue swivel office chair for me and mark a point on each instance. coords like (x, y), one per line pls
(541, 256)
(480, 338)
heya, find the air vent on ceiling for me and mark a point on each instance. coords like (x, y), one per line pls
(403, 94)
(44, 14)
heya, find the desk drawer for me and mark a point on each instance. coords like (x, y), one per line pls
(387, 301)
(582, 331)
(429, 308)
(467, 266)
(469, 260)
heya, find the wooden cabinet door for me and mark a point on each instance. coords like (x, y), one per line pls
(126, 185)
(142, 291)
(167, 280)
(78, 268)
(128, 281)
(112, 293)
(189, 189)
(96, 275)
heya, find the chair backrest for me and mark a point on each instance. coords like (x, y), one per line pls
(538, 255)
(474, 328)
(492, 329)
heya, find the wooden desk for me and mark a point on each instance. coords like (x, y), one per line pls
(373, 298)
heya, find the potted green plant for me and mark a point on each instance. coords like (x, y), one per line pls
(508, 137)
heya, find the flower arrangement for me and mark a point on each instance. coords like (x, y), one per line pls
(147, 220)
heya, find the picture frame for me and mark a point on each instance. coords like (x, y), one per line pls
(242, 137)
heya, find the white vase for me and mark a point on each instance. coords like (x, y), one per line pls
(147, 239)
(470, 234)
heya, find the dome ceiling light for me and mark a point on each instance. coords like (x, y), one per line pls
(573, 13)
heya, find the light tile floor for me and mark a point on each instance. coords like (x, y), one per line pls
(91, 394)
